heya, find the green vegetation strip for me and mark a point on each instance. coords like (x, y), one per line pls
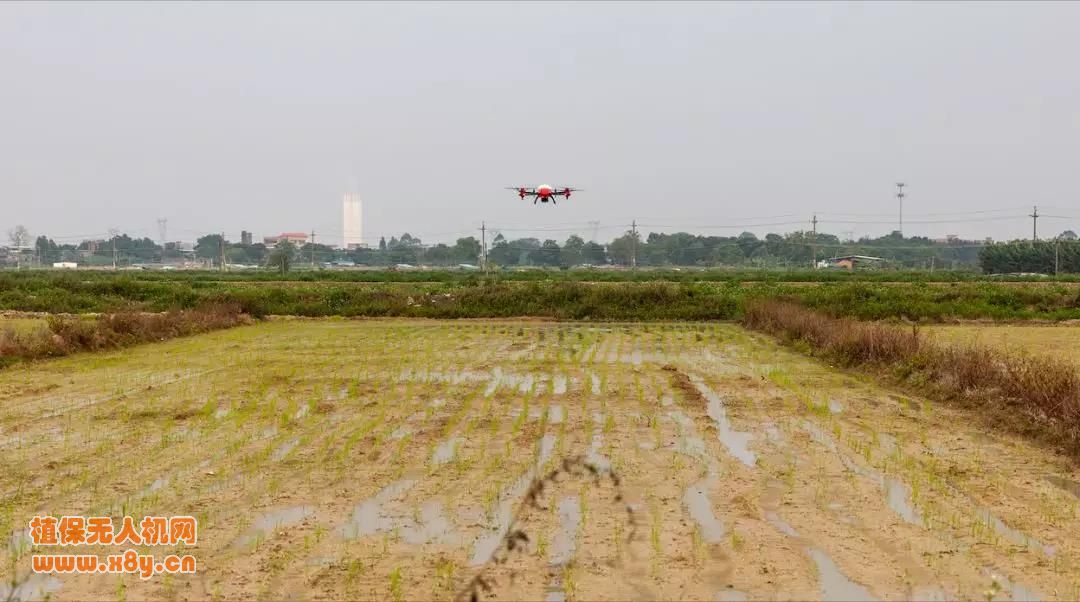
(559, 299)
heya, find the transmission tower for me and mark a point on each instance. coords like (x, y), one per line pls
(162, 230)
(900, 197)
(595, 225)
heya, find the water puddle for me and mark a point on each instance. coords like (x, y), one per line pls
(156, 485)
(730, 595)
(593, 456)
(595, 384)
(547, 445)
(688, 443)
(696, 499)
(400, 433)
(736, 442)
(433, 527)
(558, 386)
(272, 521)
(221, 413)
(20, 543)
(772, 433)
(835, 586)
(555, 414)
(486, 545)
(1014, 591)
(565, 542)
(887, 443)
(897, 493)
(368, 517)
(1066, 484)
(1013, 535)
(445, 451)
(493, 384)
(930, 594)
(667, 400)
(780, 524)
(35, 587)
(281, 452)
(835, 407)
(437, 403)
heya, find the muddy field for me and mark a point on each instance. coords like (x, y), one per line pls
(1062, 341)
(387, 460)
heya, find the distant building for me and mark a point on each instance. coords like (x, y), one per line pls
(352, 221)
(183, 247)
(245, 238)
(850, 262)
(296, 238)
(950, 239)
(65, 265)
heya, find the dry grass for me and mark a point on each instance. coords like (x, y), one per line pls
(1038, 395)
(64, 335)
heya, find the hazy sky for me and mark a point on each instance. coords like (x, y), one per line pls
(696, 116)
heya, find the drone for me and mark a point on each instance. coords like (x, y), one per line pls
(544, 193)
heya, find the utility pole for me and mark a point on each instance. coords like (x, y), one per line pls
(483, 247)
(162, 227)
(633, 252)
(1034, 221)
(313, 249)
(113, 232)
(900, 197)
(813, 243)
(1057, 243)
(222, 248)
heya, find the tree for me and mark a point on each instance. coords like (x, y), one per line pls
(20, 237)
(466, 250)
(573, 251)
(1067, 235)
(549, 254)
(621, 250)
(593, 253)
(46, 250)
(281, 257)
(209, 246)
(382, 243)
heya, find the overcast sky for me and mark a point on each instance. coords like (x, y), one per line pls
(696, 116)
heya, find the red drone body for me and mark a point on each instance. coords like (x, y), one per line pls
(544, 192)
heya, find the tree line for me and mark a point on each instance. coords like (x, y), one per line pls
(1057, 256)
(798, 249)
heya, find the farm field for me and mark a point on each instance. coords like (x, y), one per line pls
(1061, 341)
(21, 325)
(386, 459)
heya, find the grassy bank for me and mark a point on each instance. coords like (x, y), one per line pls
(1037, 396)
(686, 274)
(64, 335)
(658, 300)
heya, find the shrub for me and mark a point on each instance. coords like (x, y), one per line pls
(1037, 395)
(70, 334)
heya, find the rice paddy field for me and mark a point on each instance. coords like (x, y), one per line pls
(1061, 341)
(389, 460)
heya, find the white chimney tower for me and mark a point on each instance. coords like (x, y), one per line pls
(352, 217)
